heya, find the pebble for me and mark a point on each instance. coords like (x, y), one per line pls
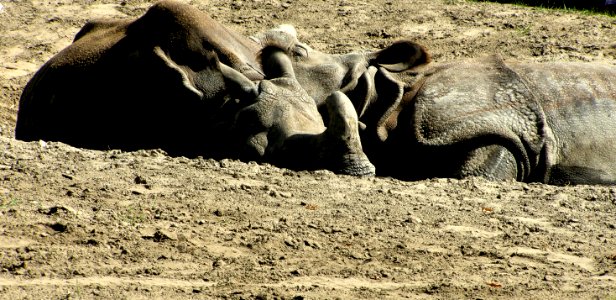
(163, 234)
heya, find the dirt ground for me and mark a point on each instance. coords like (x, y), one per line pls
(81, 224)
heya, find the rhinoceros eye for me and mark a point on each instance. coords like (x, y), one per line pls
(300, 50)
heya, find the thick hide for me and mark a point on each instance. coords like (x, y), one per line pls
(153, 82)
(176, 79)
(549, 122)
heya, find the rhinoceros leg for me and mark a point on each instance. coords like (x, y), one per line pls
(494, 162)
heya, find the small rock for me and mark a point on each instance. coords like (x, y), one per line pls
(261, 297)
(312, 244)
(218, 263)
(413, 220)
(147, 233)
(296, 272)
(285, 194)
(92, 242)
(356, 255)
(60, 208)
(59, 227)
(163, 235)
(140, 180)
(291, 243)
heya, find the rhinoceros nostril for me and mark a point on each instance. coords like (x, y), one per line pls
(300, 50)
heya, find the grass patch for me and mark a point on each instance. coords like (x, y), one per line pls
(133, 215)
(587, 6)
(7, 202)
(524, 30)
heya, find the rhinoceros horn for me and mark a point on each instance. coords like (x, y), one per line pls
(341, 144)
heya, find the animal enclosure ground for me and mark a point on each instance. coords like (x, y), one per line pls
(105, 224)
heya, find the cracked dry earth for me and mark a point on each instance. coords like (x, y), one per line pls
(82, 224)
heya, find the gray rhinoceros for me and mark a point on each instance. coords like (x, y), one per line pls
(545, 122)
(176, 79)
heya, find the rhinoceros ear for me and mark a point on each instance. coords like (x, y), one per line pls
(235, 83)
(181, 73)
(400, 56)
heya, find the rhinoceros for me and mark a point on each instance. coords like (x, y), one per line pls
(504, 120)
(178, 80)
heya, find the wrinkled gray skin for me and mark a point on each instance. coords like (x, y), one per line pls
(550, 122)
(176, 79)
(283, 126)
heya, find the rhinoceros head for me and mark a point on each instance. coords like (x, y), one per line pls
(284, 126)
(321, 74)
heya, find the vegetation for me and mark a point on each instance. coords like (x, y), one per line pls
(590, 6)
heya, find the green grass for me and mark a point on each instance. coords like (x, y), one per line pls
(7, 201)
(524, 30)
(133, 215)
(562, 6)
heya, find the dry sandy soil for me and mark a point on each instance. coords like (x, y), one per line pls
(86, 224)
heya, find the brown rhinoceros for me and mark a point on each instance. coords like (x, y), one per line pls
(544, 122)
(176, 79)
